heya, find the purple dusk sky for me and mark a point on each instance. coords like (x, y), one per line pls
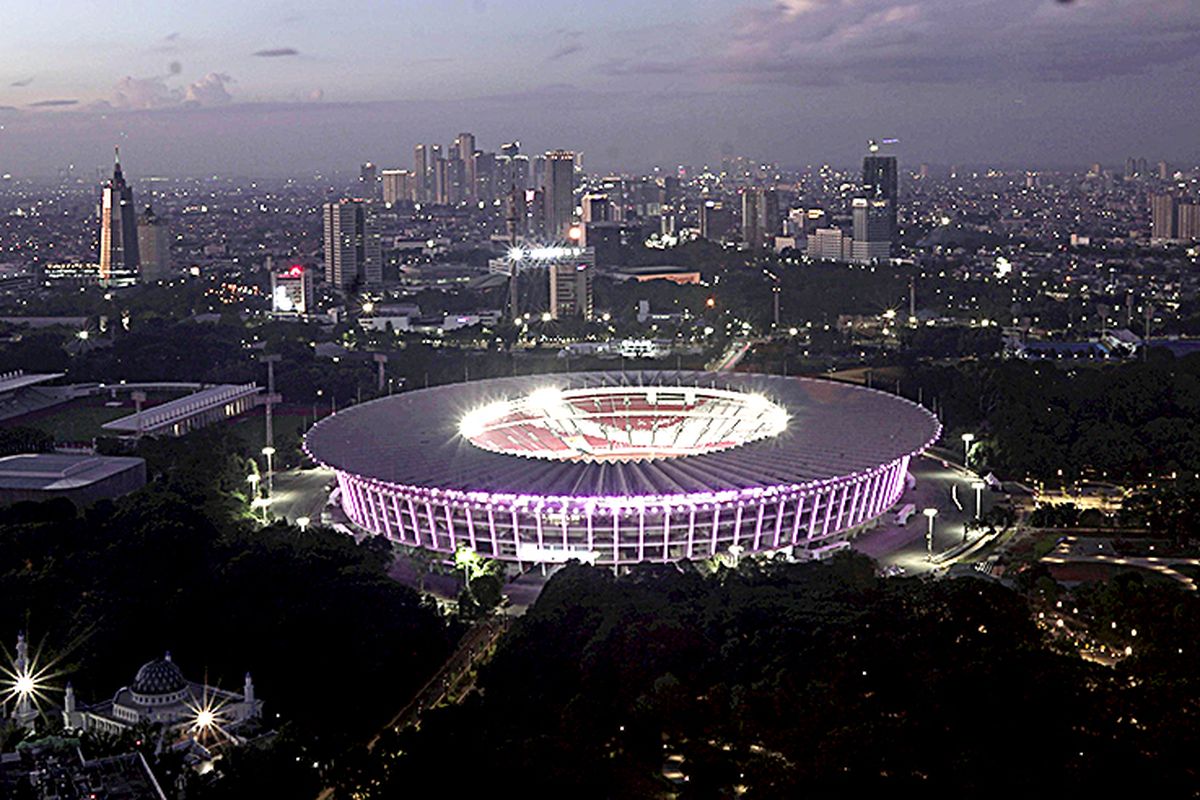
(262, 88)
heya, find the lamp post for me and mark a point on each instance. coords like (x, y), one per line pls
(269, 452)
(978, 487)
(253, 480)
(736, 550)
(967, 439)
(302, 523)
(930, 513)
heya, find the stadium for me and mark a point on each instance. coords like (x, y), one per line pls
(619, 468)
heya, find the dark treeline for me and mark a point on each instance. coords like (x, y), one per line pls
(1041, 421)
(807, 680)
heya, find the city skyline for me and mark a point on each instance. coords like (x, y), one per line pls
(1036, 82)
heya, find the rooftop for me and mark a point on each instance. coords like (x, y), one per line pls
(60, 471)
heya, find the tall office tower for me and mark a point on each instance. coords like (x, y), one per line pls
(352, 248)
(456, 179)
(464, 146)
(716, 221)
(119, 260)
(1130, 167)
(1187, 222)
(291, 291)
(760, 216)
(154, 247)
(1164, 218)
(399, 186)
(520, 172)
(510, 149)
(881, 180)
(872, 226)
(571, 288)
(368, 176)
(538, 172)
(441, 182)
(421, 169)
(1143, 168)
(560, 193)
(486, 176)
(1164, 171)
(597, 208)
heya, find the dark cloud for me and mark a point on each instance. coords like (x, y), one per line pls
(277, 52)
(564, 51)
(53, 103)
(21, 83)
(821, 42)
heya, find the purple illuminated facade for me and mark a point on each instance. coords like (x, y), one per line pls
(827, 474)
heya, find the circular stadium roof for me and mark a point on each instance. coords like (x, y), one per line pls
(622, 433)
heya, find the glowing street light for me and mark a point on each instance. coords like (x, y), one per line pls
(302, 523)
(736, 550)
(967, 439)
(269, 452)
(930, 513)
(978, 487)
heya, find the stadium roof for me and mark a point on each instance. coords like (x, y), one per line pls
(59, 471)
(414, 439)
(19, 379)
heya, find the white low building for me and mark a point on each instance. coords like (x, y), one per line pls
(160, 695)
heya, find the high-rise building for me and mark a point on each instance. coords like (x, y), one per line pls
(421, 170)
(399, 185)
(154, 247)
(291, 291)
(571, 287)
(760, 216)
(716, 220)
(510, 149)
(520, 172)
(1164, 171)
(1164, 218)
(119, 261)
(352, 247)
(368, 176)
(464, 146)
(881, 180)
(597, 208)
(872, 226)
(560, 193)
(1187, 222)
(441, 182)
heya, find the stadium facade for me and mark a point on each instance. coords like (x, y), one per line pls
(620, 468)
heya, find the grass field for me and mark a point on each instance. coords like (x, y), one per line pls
(74, 422)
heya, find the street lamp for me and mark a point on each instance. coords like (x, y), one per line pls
(736, 550)
(253, 480)
(930, 513)
(978, 487)
(302, 523)
(967, 439)
(269, 452)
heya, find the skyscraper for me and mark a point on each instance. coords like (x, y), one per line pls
(560, 193)
(1187, 222)
(154, 247)
(464, 146)
(368, 176)
(1164, 218)
(872, 226)
(760, 216)
(881, 181)
(571, 286)
(421, 169)
(119, 261)
(352, 248)
(399, 185)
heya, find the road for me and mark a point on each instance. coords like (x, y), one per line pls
(1091, 550)
(301, 493)
(733, 354)
(937, 484)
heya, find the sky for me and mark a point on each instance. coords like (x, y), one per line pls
(243, 87)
